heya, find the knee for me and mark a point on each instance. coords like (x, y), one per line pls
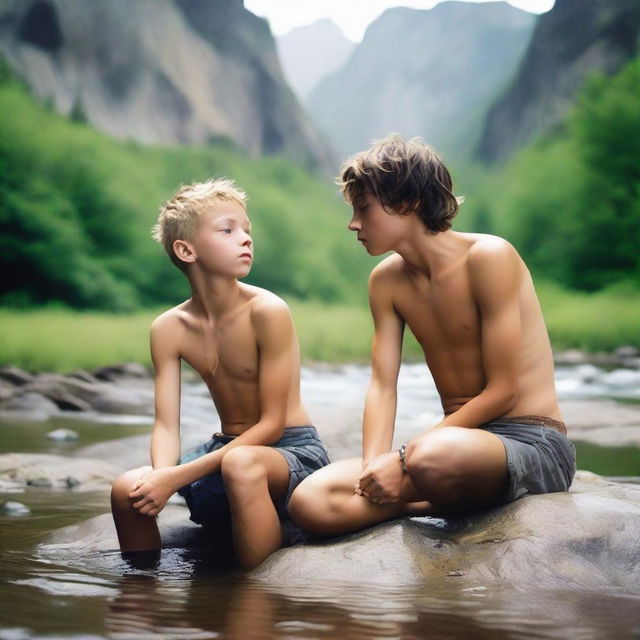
(242, 467)
(301, 506)
(435, 458)
(315, 508)
(123, 485)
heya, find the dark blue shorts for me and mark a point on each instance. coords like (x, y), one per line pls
(206, 497)
(540, 459)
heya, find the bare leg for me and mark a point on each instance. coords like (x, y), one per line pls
(456, 468)
(325, 503)
(255, 477)
(136, 532)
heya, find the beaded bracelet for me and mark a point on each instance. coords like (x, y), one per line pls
(403, 460)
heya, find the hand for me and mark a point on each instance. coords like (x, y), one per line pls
(152, 490)
(381, 481)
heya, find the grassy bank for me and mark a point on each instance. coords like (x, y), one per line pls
(63, 340)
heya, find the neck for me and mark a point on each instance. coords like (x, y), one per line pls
(429, 253)
(213, 296)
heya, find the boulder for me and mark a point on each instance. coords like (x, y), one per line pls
(56, 472)
(14, 375)
(81, 393)
(585, 539)
(116, 372)
(30, 402)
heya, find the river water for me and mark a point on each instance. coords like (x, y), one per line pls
(187, 596)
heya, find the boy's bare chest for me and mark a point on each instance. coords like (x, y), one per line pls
(441, 313)
(226, 352)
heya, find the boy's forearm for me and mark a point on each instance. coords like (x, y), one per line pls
(262, 433)
(486, 406)
(378, 423)
(165, 446)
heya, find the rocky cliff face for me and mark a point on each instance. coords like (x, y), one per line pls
(576, 39)
(310, 53)
(425, 73)
(160, 72)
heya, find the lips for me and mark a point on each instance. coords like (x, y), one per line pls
(246, 255)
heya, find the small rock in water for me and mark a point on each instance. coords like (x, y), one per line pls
(627, 351)
(39, 482)
(13, 508)
(62, 434)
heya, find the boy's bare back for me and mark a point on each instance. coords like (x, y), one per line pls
(443, 311)
(226, 354)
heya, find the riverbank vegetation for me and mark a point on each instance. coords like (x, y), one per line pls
(59, 339)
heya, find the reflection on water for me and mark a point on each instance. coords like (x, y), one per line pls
(186, 599)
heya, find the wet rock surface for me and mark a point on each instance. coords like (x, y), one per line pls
(585, 539)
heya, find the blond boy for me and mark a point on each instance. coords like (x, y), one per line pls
(242, 341)
(470, 302)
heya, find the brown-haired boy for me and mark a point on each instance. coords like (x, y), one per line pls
(470, 302)
(242, 341)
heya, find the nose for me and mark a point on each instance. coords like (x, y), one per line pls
(354, 224)
(246, 240)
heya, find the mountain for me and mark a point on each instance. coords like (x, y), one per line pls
(310, 53)
(429, 73)
(573, 41)
(160, 72)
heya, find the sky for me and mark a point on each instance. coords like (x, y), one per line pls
(352, 16)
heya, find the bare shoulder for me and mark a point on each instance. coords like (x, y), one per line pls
(387, 273)
(171, 319)
(487, 250)
(168, 328)
(266, 308)
(490, 256)
(495, 267)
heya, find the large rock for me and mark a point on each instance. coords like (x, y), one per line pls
(80, 393)
(56, 472)
(586, 538)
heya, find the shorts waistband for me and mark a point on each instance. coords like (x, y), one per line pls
(287, 431)
(537, 421)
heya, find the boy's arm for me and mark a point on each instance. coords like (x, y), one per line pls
(495, 273)
(386, 352)
(152, 490)
(165, 439)
(276, 339)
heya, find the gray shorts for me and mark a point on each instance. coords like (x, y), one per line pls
(540, 459)
(206, 497)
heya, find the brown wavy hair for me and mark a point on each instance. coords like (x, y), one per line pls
(405, 176)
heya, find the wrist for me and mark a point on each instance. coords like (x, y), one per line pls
(402, 457)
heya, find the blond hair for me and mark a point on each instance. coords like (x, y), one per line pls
(180, 215)
(405, 176)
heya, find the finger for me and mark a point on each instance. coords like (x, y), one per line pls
(136, 493)
(148, 508)
(145, 500)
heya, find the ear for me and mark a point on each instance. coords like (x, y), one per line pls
(184, 251)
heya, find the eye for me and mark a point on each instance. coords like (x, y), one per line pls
(226, 231)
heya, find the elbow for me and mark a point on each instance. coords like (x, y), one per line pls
(504, 398)
(272, 432)
(508, 399)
